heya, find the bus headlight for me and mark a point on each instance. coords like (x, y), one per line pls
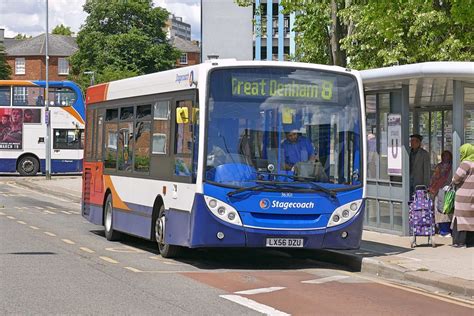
(344, 213)
(223, 210)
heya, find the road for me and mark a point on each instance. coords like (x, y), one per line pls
(52, 261)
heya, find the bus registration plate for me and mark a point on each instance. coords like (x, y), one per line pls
(285, 242)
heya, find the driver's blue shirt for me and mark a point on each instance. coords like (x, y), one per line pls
(301, 150)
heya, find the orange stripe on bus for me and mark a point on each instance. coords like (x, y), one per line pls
(17, 83)
(116, 200)
(97, 93)
(74, 113)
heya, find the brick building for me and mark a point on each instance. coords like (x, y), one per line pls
(26, 57)
(190, 52)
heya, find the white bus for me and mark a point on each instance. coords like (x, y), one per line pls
(228, 154)
(23, 126)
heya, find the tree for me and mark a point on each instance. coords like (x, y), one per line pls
(375, 33)
(121, 39)
(22, 36)
(5, 69)
(62, 30)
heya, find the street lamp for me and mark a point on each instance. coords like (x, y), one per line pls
(92, 74)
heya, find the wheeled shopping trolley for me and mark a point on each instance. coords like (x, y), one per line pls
(421, 216)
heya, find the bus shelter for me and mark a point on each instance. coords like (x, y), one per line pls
(433, 99)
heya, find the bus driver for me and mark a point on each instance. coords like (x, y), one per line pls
(297, 148)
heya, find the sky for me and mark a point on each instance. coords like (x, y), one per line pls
(28, 16)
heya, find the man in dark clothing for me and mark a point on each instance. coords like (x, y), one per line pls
(420, 167)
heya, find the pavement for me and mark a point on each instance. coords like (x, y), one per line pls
(444, 269)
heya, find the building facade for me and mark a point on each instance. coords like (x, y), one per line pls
(26, 57)
(190, 52)
(177, 28)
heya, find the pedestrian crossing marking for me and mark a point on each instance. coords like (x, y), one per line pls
(11, 217)
(67, 241)
(50, 234)
(34, 227)
(21, 222)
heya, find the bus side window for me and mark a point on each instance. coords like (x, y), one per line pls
(183, 138)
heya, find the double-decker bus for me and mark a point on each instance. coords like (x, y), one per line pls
(228, 154)
(23, 126)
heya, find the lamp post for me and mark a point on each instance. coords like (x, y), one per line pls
(47, 113)
(92, 74)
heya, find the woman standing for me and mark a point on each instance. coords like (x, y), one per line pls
(441, 177)
(463, 222)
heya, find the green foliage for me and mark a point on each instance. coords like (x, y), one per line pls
(377, 33)
(62, 30)
(122, 39)
(22, 36)
(5, 69)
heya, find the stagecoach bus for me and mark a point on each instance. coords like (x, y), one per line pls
(23, 126)
(228, 154)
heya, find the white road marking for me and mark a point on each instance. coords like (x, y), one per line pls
(262, 290)
(327, 279)
(50, 234)
(49, 212)
(11, 217)
(51, 208)
(133, 269)
(39, 208)
(67, 241)
(265, 309)
(34, 227)
(87, 250)
(21, 222)
(12, 184)
(1, 213)
(108, 259)
(66, 212)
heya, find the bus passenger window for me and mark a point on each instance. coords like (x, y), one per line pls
(161, 127)
(110, 161)
(126, 113)
(125, 146)
(142, 146)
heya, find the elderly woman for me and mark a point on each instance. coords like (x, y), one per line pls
(441, 177)
(463, 222)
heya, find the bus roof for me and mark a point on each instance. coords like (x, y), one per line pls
(180, 79)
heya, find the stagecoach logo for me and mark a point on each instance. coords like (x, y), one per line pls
(186, 78)
(265, 204)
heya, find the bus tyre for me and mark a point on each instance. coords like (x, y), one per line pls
(28, 166)
(166, 250)
(110, 233)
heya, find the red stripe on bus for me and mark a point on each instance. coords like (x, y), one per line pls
(97, 93)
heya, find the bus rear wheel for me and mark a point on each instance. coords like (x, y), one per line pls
(28, 166)
(166, 250)
(110, 233)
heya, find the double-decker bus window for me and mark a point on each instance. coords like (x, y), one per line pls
(126, 113)
(160, 127)
(5, 96)
(28, 96)
(61, 97)
(142, 146)
(125, 146)
(67, 139)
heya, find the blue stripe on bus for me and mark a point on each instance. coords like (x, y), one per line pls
(57, 165)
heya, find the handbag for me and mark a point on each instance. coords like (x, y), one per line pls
(448, 206)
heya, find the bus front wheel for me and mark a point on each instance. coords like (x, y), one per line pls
(110, 233)
(166, 250)
(28, 166)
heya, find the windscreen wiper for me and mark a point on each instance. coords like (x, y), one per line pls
(253, 188)
(330, 192)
